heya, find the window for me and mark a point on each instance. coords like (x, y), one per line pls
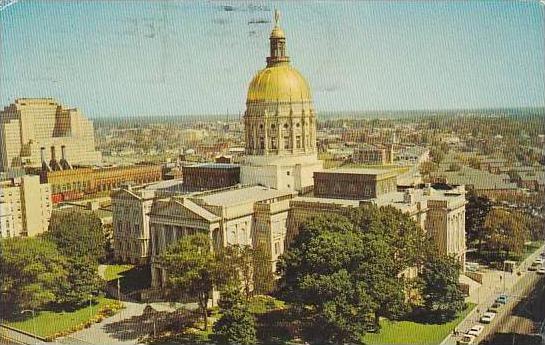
(273, 143)
(298, 141)
(286, 125)
(276, 248)
(286, 142)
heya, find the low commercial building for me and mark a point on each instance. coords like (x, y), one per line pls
(482, 182)
(74, 183)
(413, 155)
(25, 207)
(373, 154)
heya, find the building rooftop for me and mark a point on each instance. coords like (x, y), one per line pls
(214, 166)
(242, 195)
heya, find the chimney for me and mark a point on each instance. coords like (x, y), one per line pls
(42, 154)
(63, 152)
(53, 156)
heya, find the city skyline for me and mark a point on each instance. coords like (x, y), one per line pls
(198, 58)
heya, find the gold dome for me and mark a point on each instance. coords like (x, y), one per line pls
(278, 83)
(277, 32)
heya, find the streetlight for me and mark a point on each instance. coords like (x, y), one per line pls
(33, 323)
(90, 306)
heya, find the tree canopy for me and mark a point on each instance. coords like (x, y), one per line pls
(348, 270)
(78, 234)
(442, 297)
(32, 272)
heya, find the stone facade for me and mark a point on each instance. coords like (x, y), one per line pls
(131, 233)
(25, 207)
(240, 215)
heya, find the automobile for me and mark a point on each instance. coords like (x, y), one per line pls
(543, 255)
(534, 266)
(540, 261)
(502, 299)
(476, 330)
(487, 317)
(541, 270)
(466, 340)
(494, 307)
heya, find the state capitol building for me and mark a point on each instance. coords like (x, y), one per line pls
(282, 182)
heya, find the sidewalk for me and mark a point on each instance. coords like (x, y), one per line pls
(494, 283)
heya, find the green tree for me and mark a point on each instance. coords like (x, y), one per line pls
(82, 283)
(507, 231)
(348, 270)
(236, 326)
(78, 234)
(192, 270)
(477, 210)
(238, 261)
(32, 272)
(442, 297)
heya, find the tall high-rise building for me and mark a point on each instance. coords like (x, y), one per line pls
(40, 132)
(280, 124)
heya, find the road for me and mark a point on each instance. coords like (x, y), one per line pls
(523, 317)
(518, 288)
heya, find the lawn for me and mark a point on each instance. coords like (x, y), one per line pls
(408, 332)
(50, 322)
(115, 271)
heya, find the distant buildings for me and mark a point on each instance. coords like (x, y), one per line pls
(40, 132)
(412, 155)
(480, 181)
(373, 154)
(25, 207)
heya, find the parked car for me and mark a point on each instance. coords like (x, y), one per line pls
(495, 307)
(466, 340)
(476, 330)
(541, 270)
(503, 298)
(534, 267)
(487, 317)
(539, 261)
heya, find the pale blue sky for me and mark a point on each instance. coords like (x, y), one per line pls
(116, 58)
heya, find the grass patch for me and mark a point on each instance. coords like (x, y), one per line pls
(409, 332)
(262, 304)
(113, 272)
(50, 322)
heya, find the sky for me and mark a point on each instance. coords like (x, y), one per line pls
(160, 58)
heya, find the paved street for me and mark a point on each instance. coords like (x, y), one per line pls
(495, 283)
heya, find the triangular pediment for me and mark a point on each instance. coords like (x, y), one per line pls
(184, 209)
